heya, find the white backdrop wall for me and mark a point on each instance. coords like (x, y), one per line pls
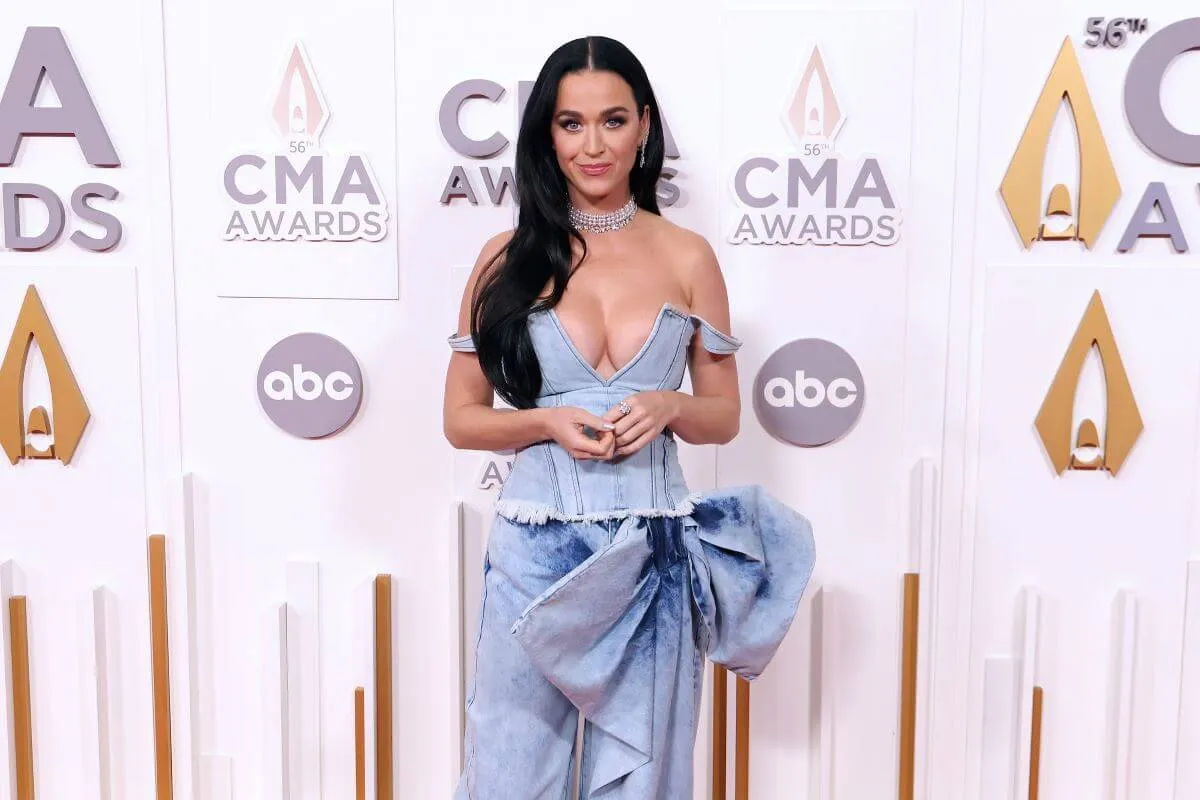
(1085, 585)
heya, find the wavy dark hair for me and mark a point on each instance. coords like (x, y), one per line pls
(540, 247)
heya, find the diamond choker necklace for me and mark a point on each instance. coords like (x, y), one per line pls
(602, 223)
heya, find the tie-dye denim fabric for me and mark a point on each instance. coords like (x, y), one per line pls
(607, 584)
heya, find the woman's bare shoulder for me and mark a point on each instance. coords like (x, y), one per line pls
(690, 254)
(494, 246)
(487, 259)
(488, 256)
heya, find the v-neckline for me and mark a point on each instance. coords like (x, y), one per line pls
(628, 364)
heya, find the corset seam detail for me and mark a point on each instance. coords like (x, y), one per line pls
(667, 475)
(553, 474)
(576, 486)
(653, 484)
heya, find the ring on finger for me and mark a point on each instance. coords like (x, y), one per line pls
(625, 408)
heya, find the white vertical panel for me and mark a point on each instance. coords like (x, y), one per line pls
(211, 770)
(939, 226)
(458, 636)
(161, 410)
(109, 699)
(1120, 699)
(76, 526)
(216, 772)
(919, 533)
(194, 649)
(274, 698)
(822, 693)
(12, 582)
(923, 558)
(185, 764)
(100, 726)
(304, 680)
(364, 670)
(89, 708)
(999, 735)
(963, 296)
(1187, 766)
(1081, 535)
(857, 498)
(1028, 611)
(349, 46)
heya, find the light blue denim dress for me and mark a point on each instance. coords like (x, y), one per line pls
(607, 583)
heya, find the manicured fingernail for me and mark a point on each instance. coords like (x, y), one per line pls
(608, 426)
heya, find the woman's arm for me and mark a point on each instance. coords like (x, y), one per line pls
(711, 413)
(469, 420)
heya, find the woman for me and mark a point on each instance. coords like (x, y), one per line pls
(605, 581)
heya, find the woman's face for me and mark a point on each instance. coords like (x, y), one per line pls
(596, 130)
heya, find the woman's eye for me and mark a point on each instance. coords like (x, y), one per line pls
(574, 125)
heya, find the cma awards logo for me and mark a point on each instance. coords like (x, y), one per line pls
(42, 434)
(495, 182)
(814, 196)
(1080, 212)
(809, 393)
(302, 191)
(1080, 446)
(44, 60)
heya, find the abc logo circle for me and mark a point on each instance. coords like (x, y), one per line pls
(808, 393)
(310, 385)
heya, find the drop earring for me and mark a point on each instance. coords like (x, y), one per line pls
(642, 150)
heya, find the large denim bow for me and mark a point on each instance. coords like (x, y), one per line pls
(615, 633)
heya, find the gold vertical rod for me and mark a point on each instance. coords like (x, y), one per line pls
(22, 707)
(908, 686)
(383, 687)
(1035, 744)
(161, 671)
(360, 737)
(741, 753)
(720, 729)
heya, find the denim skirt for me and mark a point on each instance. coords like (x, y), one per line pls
(613, 619)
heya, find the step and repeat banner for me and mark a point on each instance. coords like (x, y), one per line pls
(238, 558)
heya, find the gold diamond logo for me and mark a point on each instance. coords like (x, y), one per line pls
(814, 115)
(1122, 423)
(300, 111)
(69, 416)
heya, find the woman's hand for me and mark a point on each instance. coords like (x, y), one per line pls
(566, 425)
(649, 413)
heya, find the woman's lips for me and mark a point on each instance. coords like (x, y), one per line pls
(594, 169)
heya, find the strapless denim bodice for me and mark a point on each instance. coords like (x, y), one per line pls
(547, 483)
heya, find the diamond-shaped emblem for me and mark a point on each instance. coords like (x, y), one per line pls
(1055, 421)
(814, 115)
(70, 414)
(300, 111)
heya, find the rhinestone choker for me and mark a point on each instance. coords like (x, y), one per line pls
(602, 223)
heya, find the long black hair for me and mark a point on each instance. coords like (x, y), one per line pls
(540, 247)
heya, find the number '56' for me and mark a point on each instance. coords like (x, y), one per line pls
(1112, 35)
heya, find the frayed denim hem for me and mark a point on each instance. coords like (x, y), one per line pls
(536, 513)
